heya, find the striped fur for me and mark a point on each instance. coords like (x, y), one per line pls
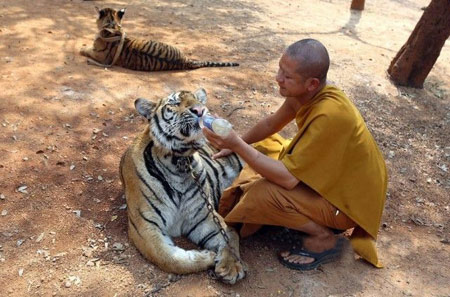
(163, 199)
(144, 55)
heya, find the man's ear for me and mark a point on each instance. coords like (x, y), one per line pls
(312, 84)
(200, 94)
(144, 107)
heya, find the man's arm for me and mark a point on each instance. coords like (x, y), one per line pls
(273, 170)
(272, 124)
(265, 127)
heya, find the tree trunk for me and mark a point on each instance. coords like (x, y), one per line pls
(357, 4)
(415, 59)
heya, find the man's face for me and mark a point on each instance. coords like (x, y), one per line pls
(291, 83)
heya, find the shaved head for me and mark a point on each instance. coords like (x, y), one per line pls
(312, 57)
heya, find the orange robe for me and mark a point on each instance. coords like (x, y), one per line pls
(333, 153)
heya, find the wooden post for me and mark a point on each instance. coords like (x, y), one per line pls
(416, 58)
(357, 4)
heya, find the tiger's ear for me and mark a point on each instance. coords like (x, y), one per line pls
(200, 94)
(100, 12)
(121, 12)
(144, 107)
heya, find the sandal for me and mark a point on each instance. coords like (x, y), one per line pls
(319, 258)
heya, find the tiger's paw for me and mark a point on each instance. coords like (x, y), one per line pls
(204, 258)
(229, 269)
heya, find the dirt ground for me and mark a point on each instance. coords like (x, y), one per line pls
(65, 124)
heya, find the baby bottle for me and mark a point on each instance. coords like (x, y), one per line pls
(218, 125)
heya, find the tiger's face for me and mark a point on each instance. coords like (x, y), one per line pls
(109, 18)
(174, 121)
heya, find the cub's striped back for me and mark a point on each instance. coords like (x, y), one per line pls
(113, 47)
(157, 56)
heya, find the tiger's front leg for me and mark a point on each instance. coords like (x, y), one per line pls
(94, 53)
(229, 267)
(88, 52)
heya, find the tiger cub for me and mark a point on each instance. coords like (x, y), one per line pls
(163, 198)
(112, 47)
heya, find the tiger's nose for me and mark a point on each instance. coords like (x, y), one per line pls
(198, 110)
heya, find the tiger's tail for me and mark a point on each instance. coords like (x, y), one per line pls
(201, 64)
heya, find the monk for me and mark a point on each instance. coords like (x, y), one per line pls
(329, 177)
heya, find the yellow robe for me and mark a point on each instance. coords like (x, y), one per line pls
(334, 153)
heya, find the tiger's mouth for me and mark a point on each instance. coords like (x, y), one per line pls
(189, 127)
(195, 115)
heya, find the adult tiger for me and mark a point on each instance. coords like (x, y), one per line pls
(165, 201)
(112, 47)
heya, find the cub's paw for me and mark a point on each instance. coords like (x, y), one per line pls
(86, 51)
(83, 51)
(229, 269)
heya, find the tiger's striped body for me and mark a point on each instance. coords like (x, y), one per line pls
(163, 199)
(136, 54)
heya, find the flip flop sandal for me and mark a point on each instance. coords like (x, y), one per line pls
(319, 258)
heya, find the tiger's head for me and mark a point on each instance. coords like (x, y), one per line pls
(109, 18)
(173, 121)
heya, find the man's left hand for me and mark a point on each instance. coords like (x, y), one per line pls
(218, 142)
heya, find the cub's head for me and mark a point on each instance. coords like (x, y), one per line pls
(109, 18)
(173, 121)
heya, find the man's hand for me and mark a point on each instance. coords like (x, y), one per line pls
(219, 142)
(224, 144)
(273, 170)
(222, 153)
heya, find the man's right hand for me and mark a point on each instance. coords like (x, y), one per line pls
(222, 153)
